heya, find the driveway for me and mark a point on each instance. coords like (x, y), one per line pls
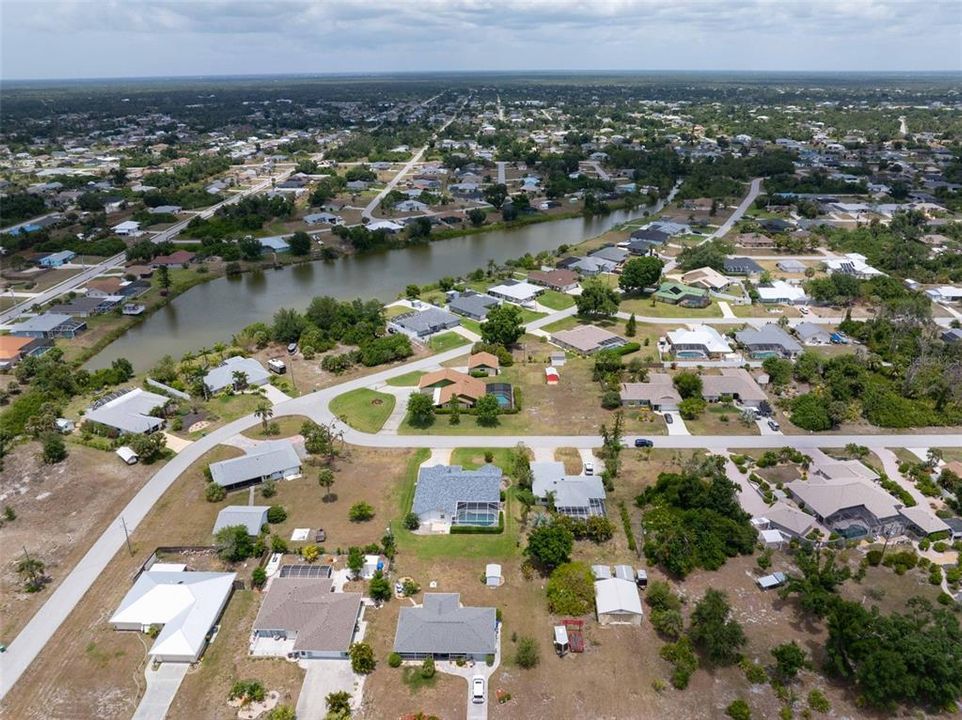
(321, 678)
(763, 428)
(748, 496)
(275, 395)
(677, 425)
(475, 711)
(162, 686)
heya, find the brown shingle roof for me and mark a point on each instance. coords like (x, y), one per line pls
(323, 620)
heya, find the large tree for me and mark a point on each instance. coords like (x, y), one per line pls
(550, 545)
(502, 325)
(640, 273)
(420, 410)
(714, 631)
(597, 300)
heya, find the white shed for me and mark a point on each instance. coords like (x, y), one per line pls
(617, 602)
(492, 575)
(127, 455)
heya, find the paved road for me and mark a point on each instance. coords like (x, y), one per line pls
(742, 208)
(74, 282)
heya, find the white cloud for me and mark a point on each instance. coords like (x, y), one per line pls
(122, 37)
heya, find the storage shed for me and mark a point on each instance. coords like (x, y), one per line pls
(492, 575)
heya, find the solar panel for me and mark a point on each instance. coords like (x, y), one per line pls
(306, 571)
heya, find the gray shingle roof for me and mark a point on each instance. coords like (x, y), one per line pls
(129, 412)
(769, 334)
(426, 321)
(442, 487)
(223, 375)
(323, 620)
(264, 460)
(252, 517)
(442, 627)
(472, 305)
(42, 323)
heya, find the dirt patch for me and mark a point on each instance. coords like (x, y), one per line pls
(61, 510)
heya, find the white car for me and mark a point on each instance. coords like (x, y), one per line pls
(477, 689)
(589, 468)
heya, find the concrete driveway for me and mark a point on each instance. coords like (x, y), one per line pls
(475, 711)
(321, 678)
(162, 686)
(677, 425)
(763, 428)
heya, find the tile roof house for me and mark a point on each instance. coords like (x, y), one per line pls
(302, 617)
(768, 341)
(658, 393)
(560, 280)
(754, 240)
(706, 278)
(447, 383)
(13, 349)
(472, 305)
(675, 293)
(578, 496)
(852, 508)
(587, 339)
(447, 495)
(444, 630)
(222, 376)
(175, 259)
(186, 604)
(790, 266)
(128, 412)
(271, 460)
(252, 517)
(792, 521)
(423, 323)
(593, 265)
(484, 362)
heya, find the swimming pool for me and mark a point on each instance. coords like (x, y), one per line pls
(503, 393)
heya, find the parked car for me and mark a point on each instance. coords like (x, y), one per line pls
(669, 418)
(643, 442)
(276, 365)
(320, 536)
(292, 348)
(477, 689)
(589, 468)
(803, 310)
(774, 426)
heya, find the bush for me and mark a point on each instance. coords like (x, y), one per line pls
(668, 622)
(754, 672)
(818, 702)
(54, 448)
(394, 660)
(276, 514)
(874, 557)
(361, 512)
(527, 655)
(480, 529)
(550, 545)
(659, 596)
(214, 492)
(738, 710)
(681, 655)
(611, 400)
(571, 589)
(427, 668)
(362, 658)
(259, 577)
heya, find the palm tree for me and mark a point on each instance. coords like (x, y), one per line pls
(326, 479)
(31, 572)
(265, 412)
(240, 379)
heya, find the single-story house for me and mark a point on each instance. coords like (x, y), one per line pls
(447, 495)
(812, 334)
(852, 508)
(768, 341)
(852, 264)
(86, 306)
(754, 240)
(186, 604)
(104, 287)
(223, 375)
(781, 292)
(444, 384)
(649, 236)
(658, 393)
(127, 228)
(275, 244)
(472, 305)
(302, 617)
(578, 496)
(485, 362)
(175, 259)
(742, 266)
(252, 517)
(560, 280)
(706, 278)
(411, 206)
(49, 325)
(587, 339)
(952, 335)
(165, 210)
(592, 265)
(675, 293)
(700, 341)
(617, 602)
(323, 218)
(923, 522)
(516, 292)
(272, 460)
(792, 521)
(736, 383)
(444, 630)
(13, 349)
(57, 259)
(421, 324)
(611, 253)
(129, 412)
(388, 226)
(945, 294)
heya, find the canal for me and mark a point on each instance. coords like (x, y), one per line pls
(213, 311)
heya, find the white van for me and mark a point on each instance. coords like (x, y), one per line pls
(276, 365)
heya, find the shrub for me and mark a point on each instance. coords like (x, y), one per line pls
(874, 557)
(754, 672)
(480, 529)
(268, 489)
(659, 596)
(527, 655)
(738, 710)
(394, 660)
(362, 658)
(668, 622)
(611, 400)
(361, 512)
(233, 544)
(681, 655)
(571, 589)
(412, 521)
(54, 448)
(818, 702)
(259, 577)
(276, 514)
(427, 668)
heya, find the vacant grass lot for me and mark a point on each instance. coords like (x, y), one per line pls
(287, 426)
(363, 409)
(712, 422)
(447, 341)
(556, 300)
(407, 379)
(643, 307)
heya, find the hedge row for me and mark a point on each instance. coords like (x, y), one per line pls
(480, 529)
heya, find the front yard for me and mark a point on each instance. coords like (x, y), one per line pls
(363, 409)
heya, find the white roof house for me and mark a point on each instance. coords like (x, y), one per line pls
(519, 292)
(617, 602)
(127, 227)
(129, 412)
(779, 291)
(701, 337)
(945, 294)
(852, 264)
(252, 517)
(187, 604)
(271, 460)
(223, 375)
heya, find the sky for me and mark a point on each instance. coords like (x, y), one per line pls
(163, 38)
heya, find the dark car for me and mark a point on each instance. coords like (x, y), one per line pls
(669, 419)
(320, 536)
(644, 442)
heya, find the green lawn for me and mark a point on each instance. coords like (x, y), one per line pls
(529, 315)
(231, 407)
(407, 379)
(562, 324)
(363, 409)
(516, 424)
(556, 300)
(473, 458)
(472, 325)
(643, 307)
(447, 341)
(710, 422)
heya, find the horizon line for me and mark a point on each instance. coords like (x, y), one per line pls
(386, 73)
